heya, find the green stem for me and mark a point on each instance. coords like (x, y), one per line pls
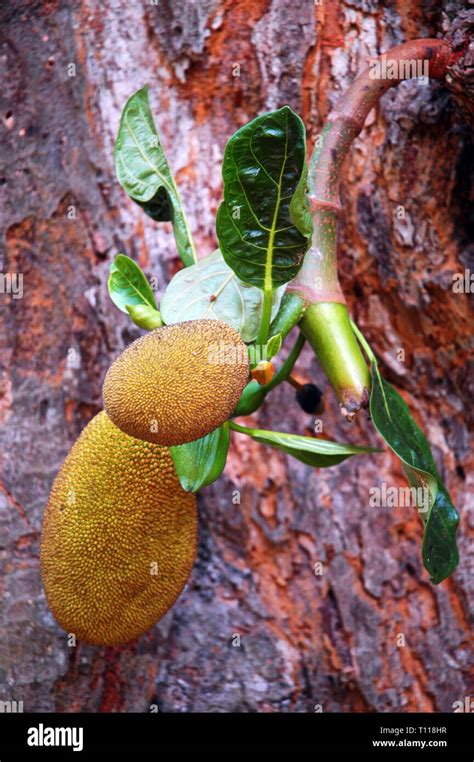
(374, 366)
(241, 429)
(266, 317)
(363, 342)
(188, 252)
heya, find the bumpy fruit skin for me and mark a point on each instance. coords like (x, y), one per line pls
(178, 383)
(119, 536)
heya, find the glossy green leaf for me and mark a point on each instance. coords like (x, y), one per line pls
(210, 289)
(201, 462)
(145, 316)
(318, 453)
(143, 171)
(264, 225)
(393, 421)
(128, 285)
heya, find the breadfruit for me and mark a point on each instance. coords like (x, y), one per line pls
(119, 536)
(178, 383)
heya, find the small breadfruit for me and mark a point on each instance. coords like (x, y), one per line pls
(178, 383)
(119, 536)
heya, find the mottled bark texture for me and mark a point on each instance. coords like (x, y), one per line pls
(335, 639)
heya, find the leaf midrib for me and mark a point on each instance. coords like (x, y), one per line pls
(155, 169)
(133, 287)
(268, 282)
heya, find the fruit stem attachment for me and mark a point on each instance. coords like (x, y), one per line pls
(326, 321)
(254, 395)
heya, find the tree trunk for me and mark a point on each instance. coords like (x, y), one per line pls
(302, 597)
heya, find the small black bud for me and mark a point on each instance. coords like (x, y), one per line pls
(309, 398)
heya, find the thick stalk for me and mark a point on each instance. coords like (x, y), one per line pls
(326, 322)
(327, 327)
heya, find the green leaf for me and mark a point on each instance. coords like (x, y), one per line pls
(318, 453)
(263, 225)
(210, 289)
(201, 462)
(393, 421)
(143, 171)
(128, 285)
(273, 346)
(145, 316)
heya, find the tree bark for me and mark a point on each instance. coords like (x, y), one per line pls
(258, 628)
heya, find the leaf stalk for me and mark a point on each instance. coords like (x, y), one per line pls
(266, 317)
